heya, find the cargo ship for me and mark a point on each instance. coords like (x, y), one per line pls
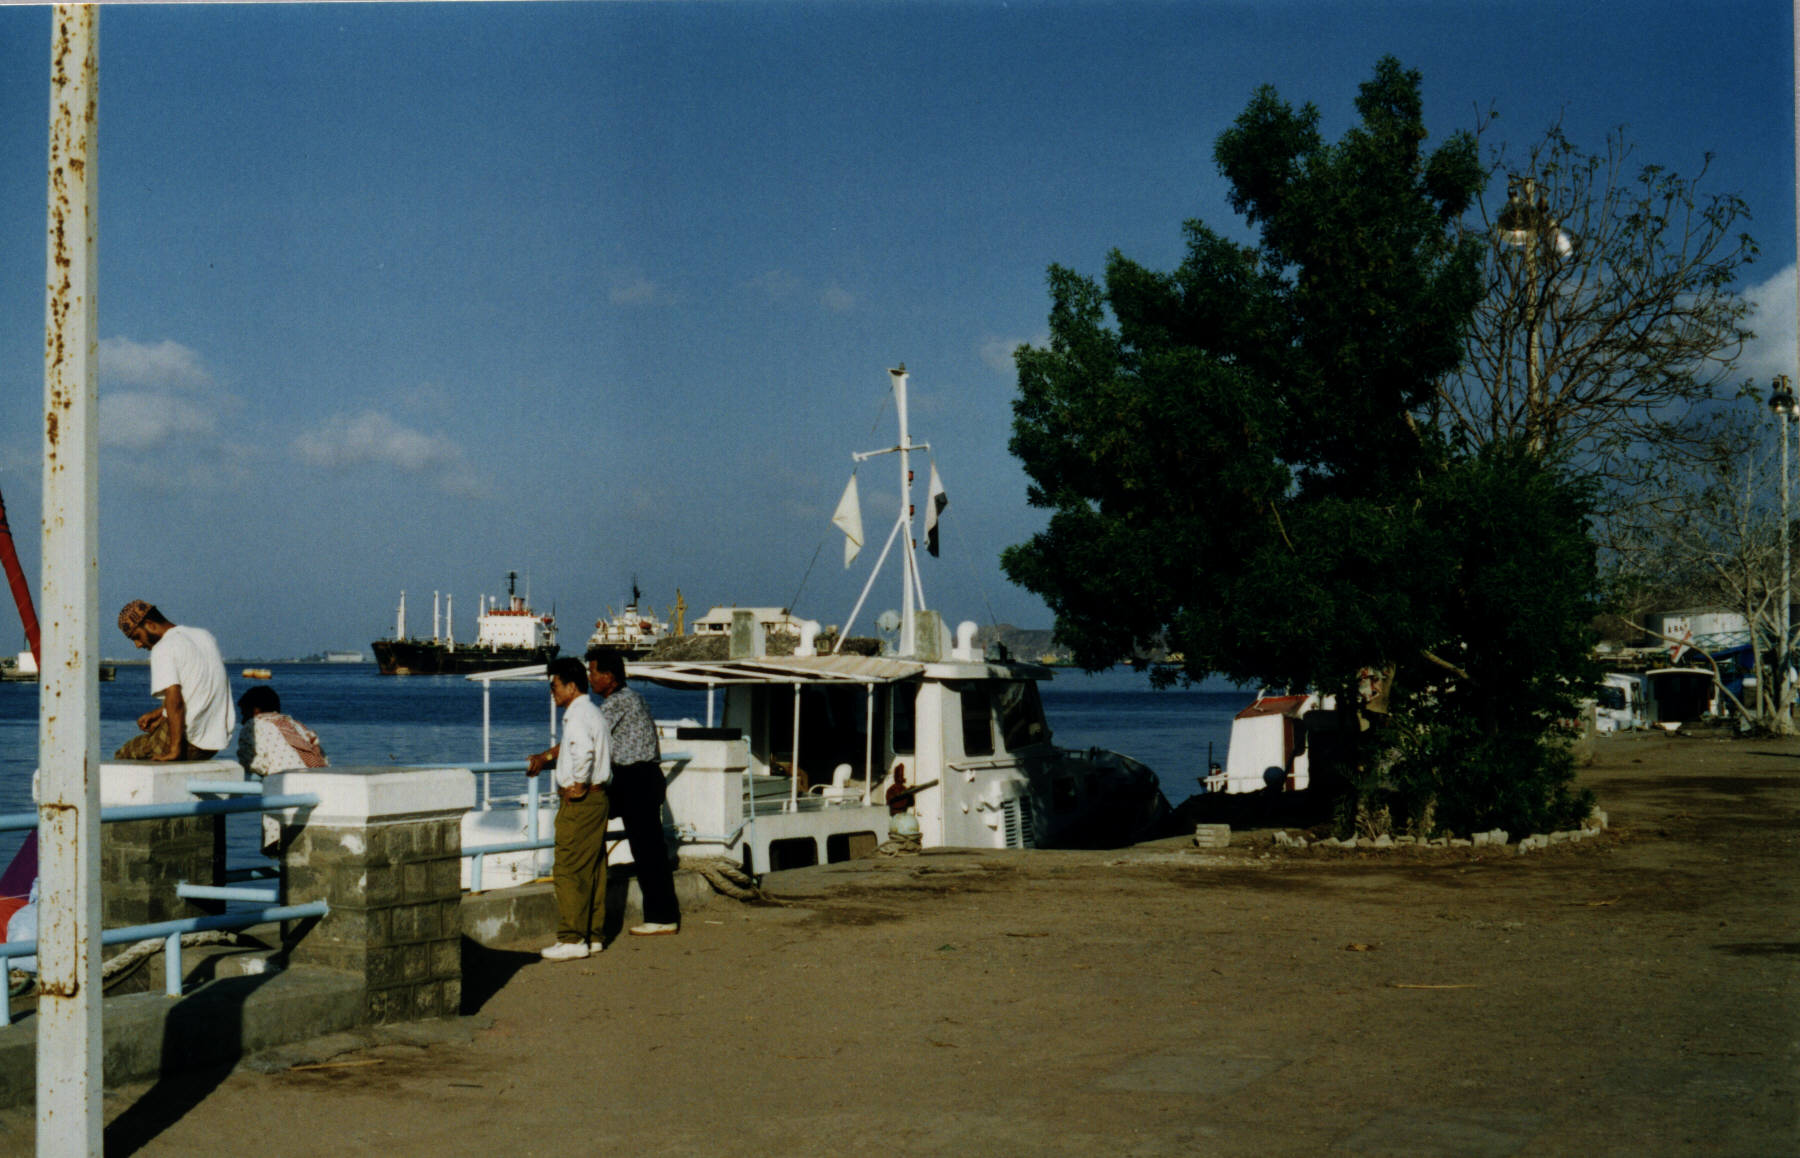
(506, 636)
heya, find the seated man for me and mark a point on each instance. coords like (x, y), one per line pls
(186, 671)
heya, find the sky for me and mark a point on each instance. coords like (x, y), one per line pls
(410, 296)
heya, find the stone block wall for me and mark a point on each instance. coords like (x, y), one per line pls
(395, 890)
(141, 862)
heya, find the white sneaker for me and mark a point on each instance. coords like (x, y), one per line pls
(653, 930)
(596, 946)
(565, 951)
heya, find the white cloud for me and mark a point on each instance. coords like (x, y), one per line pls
(372, 438)
(153, 394)
(1773, 351)
(998, 352)
(140, 420)
(837, 299)
(167, 364)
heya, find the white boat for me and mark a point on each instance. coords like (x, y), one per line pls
(807, 758)
(634, 631)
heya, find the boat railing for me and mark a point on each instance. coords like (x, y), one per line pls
(246, 796)
(537, 802)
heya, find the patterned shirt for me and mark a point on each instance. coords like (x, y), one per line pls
(633, 728)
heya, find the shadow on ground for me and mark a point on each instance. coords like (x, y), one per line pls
(485, 971)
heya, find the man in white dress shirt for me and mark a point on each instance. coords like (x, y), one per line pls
(583, 764)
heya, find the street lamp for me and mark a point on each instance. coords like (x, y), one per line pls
(1526, 223)
(1781, 402)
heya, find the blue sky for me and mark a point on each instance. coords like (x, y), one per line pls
(408, 296)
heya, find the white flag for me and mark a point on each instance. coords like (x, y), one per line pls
(848, 519)
(935, 502)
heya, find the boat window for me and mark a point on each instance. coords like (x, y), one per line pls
(1612, 698)
(904, 699)
(1021, 714)
(833, 731)
(977, 720)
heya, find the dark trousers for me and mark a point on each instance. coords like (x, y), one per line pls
(638, 791)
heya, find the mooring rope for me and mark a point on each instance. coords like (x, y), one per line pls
(116, 967)
(729, 878)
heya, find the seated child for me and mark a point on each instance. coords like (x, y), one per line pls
(269, 742)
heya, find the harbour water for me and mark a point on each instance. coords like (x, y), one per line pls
(365, 718)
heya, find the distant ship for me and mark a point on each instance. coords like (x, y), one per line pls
(632, 632)
(344, 657)
(510, 636)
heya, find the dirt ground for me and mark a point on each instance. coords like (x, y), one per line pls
(1632, 995)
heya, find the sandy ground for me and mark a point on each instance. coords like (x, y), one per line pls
(1634, 995)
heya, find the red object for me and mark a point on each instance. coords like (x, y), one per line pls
(899, 796)
(15, 578)
(1273, 706)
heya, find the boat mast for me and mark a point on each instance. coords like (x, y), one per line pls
(906, 540)
(400, 617)
(913, 591)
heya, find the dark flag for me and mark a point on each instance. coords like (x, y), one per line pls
(935, 502)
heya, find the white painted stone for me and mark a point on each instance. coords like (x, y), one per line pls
(1458, 842)
(151, 783)
(1479, 838)
(358, 796)
(1384, 841)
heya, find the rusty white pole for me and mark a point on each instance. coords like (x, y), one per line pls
(68, 1047)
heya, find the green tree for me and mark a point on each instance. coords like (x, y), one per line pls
(1238, 454)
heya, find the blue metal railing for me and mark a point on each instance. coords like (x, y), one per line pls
(14, 821)
(533, 799)
(170, 932)
(251, 799)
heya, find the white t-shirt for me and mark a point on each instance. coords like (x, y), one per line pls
(189, 656)
(586, 753)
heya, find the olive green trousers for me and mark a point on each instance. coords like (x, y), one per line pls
(580, 873)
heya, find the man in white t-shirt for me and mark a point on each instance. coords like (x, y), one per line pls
(187, 673)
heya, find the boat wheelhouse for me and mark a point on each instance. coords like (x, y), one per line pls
(811, 756)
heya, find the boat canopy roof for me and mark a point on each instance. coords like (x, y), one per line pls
(787, 669)
(771, 669)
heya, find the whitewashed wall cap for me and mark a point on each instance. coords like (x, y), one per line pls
(374, 794)
(144, 782)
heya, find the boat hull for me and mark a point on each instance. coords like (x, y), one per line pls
(422, 657)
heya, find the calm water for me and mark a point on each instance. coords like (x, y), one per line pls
(364, 718)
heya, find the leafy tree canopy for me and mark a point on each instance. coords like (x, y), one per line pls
(1231, 450)
(1241, 463)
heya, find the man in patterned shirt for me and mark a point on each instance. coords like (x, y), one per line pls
(638, 789)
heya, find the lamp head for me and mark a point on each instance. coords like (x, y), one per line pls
(1781, 398)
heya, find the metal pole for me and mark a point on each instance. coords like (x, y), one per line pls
(69, 1116)
(1783, 695)
(906, 546)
